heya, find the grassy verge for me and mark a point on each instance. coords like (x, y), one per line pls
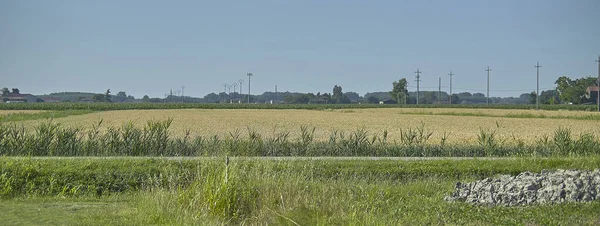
(303, 192)
(15, 117)
(116, 210)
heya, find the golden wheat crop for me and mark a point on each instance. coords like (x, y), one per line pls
(222, 122)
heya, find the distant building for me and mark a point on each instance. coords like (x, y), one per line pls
(19, 98)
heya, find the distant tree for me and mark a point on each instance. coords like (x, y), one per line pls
(455, 99)
(5, 91)
(302, 99)
(573, 91)
(549, 97)
(15, 91)
(399, 90)
(337, 94)
(98, 98)
(478, 95)
(107, 97)
(120, 97)
(464, 94)
(211, 98)
(532, 97)
(379, 95)
(327, 98)
(352, 96)
(372, 100)
(130, 97)
(146, 98)
(155, 100)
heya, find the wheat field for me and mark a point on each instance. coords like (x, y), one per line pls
(457, 128)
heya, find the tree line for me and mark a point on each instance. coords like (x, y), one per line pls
(568, 91)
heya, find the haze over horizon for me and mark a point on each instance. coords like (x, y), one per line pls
(150, 47)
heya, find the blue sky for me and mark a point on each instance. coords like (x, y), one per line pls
(148, 47)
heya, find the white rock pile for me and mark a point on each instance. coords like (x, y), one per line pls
(547, 187)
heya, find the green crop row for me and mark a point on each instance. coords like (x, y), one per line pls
(131, 106)
(154, 139)
(15, 117)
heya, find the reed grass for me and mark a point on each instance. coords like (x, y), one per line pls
(155, 139)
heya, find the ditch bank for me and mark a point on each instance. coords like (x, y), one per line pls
(547, 187)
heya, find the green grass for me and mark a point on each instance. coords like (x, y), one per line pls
(131, 106)
(16, 117)
(114, 210)
(277, 192)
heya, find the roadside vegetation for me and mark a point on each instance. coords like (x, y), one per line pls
(282, 192)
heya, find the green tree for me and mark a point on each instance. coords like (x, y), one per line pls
(549, 97)
(573, 91)
(352, 96)
(399, 90)
(337, 94)
(146, 98)
(98, 98)
(5, 91)
(107, 97)
(532, 97)
(16, 91)
(372, 100)
(455, 99)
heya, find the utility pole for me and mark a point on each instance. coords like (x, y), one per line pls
(537, 92)
(450, 86)
(225, 92)
(182, 96)
(249, 75)
(241, 81)
(234, 87)
(418, 80)
(598, 99)
(276, 95)
(488, 84)
(439, 91)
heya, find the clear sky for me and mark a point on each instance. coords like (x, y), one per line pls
(148, 47)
